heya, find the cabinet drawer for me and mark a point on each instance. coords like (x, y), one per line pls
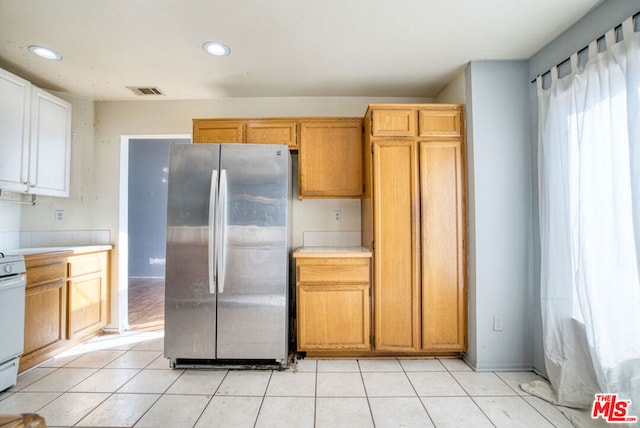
(333, 273)
(39, 274)
(393, 123)
(83, 265)
(440, 122)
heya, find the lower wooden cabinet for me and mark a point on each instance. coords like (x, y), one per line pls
(66, 302)
(87, 288)
(333, 309)
(45, 309)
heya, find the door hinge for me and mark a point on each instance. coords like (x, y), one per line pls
(373, 245)
(363, 188)
(372, 149)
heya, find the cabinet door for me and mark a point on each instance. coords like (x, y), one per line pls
(217, 131)
(87, 299)
(440, 121)
(45, 316)
(50, 144)
(393, 122)
(396, 221)
(14, 132)
(330, 159)
(442, 188)
(272, 132)
(333, 307)
(333, 317)
(88, 293)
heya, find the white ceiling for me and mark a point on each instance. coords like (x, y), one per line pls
(279, 48)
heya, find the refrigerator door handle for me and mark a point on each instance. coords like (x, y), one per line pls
(213, 196)
(221, 224)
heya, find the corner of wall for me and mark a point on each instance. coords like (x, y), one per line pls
(500, 215)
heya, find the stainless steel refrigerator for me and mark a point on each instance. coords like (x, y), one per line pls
(226, 281)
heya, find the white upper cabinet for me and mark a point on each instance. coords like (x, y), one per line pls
(15, 98)
(35, 139)
(50, 144)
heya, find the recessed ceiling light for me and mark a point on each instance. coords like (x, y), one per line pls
(44, 52)
(216, 48)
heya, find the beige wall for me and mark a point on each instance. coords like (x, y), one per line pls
(97, 129)
(456, 91)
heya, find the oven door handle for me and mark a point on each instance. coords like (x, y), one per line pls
(13, 281)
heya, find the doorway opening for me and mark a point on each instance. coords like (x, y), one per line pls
(146, 202)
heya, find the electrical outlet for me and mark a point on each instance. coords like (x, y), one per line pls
(59, 216)
(497, 323)
(337, 215)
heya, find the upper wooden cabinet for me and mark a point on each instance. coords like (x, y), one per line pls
(415, 212)
(330, 158)
(254, 131)
(218, 131)
(433, 120)
(35, 139)
(393, 122)
(437, 121)
(271, 132)
(330, 149)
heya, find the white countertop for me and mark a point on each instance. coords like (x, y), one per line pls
(332, 252)
(73, 249)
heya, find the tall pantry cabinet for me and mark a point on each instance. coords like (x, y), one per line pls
(414, 221)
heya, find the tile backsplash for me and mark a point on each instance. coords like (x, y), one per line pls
(9, 240)
(57, 238)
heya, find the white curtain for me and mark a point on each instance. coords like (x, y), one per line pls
(589, 186)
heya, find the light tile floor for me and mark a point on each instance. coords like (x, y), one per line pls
(124, 381)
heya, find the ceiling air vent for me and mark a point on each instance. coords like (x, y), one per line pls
(145, 90)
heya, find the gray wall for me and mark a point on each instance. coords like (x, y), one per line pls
(500, 215)
(504, 247)
(148, 162)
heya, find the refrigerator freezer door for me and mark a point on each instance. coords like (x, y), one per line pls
(252, 307)
(190, 308)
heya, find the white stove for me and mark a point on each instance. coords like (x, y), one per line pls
(13, 281)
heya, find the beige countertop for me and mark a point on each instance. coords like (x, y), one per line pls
(331, 252)
(72, 249)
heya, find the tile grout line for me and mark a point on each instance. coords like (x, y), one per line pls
(110, 394)
(418, 395)
(526, 401)
(315, 396)
(264, 395)
(160, 395)
(210, 398)
(469, 395)
(366, 393)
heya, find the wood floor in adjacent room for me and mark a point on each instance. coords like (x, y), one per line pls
(146, 304)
